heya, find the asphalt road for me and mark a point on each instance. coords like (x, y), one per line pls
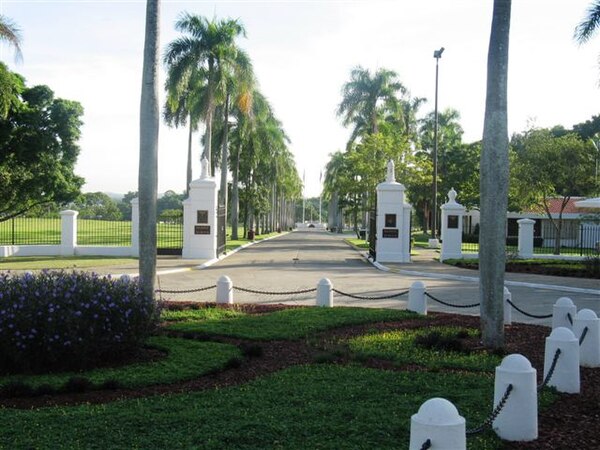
(298, 260)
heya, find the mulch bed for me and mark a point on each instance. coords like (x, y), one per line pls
(537, 269)
(572, 422)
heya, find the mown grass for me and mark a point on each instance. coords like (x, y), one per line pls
(325, 407)
(290, 323)
(400, 347)
(185, 359)
(200, 314)
(60, 262)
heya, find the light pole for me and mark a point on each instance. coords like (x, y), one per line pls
(433, 242)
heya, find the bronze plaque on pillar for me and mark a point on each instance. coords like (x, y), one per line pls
(202, 216)
(390, 232)
(390, 220)
(202, 229)
(452, 221)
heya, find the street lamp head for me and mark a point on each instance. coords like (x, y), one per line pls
(438, 53)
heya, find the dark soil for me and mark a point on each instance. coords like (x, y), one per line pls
(572, 422)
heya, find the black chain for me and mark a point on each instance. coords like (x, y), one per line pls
(426, 444)
(570, 318)
(495, 413)
(253, 291)
(583, 335)
(360, 297)
(551, 370)
(185, 291)
(535, 316)
(450, 304)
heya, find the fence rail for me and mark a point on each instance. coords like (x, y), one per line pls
(30, 231)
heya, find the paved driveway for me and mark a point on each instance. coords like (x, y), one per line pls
(299, 260)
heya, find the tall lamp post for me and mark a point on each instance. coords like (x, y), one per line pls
(433, 242)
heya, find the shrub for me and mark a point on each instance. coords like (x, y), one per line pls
(592, 266)
(65, 321)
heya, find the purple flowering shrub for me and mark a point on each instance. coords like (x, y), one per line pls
(58, 320)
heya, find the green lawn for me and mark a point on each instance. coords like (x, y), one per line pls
(60, 262)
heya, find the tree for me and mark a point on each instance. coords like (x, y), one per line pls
(148, 166)
(589, 25)
(38, 149)
(366, 98)
(96, 205)
(549, 167)
(10, 33)
(207, 48)
(494, 180)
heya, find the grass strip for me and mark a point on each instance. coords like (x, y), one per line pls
(186, 359)
(60, 262)
(290, 323)
(200, 314)
(399, 346)
(324, 406)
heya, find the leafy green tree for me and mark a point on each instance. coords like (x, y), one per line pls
(207, 48)
(148, 166)
(96, 205)
(550, 167)
(38, 150)
(169, 200)
(494, 180)
(125, 204)
(590, 23)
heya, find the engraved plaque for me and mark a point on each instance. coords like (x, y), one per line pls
(390, 220)
(202, 216)
(202, 229)
(390, 233)
(452, 221)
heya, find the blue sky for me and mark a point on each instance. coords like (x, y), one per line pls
(303, 51)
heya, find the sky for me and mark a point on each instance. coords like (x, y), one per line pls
(303, 52)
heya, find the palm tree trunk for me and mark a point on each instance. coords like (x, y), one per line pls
(189, 160)
(148, 166)
(494, 181)
(235, 196)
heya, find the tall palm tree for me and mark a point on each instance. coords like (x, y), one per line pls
(366, 97)
(148, 166)
(207, 46)
(494, 181)
(10, 33)
(589, 24)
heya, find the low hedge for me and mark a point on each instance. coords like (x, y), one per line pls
(55, 320)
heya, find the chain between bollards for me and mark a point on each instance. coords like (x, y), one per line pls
(495, 413)
(583, 335)
(451, 304)
(570, 318)
(255, 291)
(360, 297)
(534, 316)
(184, 291)
(551, 370)
(426, 444)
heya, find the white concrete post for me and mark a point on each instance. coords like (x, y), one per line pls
(518, 419)
(566, 373)
(135, 227)
(200, 218)
(560, 313)
(439, 421)
(525, 245)
(507, 307)
(452, 225)
(224, 290)
(68, 232)
(393, 220)
(325, 293)
(589, 350)
(416, 298)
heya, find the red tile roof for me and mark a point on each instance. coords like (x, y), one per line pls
(554, 205)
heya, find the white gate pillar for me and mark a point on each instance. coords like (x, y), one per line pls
(68, 232)
(452, 226)
(200, 218)
(135, 227)
(525, 245)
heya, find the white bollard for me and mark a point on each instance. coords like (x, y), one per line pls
(439, 421)
(507, 307)
(416, 298)
(224, 290)
(566, 373)
(518, 419)
(560, 313)
(589, 349)
(325, 293)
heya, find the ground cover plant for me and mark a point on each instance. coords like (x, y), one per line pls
(277, 393)
(587, 268)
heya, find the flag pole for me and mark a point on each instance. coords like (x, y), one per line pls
(303, 195)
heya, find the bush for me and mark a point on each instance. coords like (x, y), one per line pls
(592, 266)
(69, 321)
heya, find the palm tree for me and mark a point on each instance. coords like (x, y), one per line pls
(366, 97)
(494, 181)
(208, 47)
(589, 24)
(148, 167)
(10, 33)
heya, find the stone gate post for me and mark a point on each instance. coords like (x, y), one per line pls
(525, 246)
(452, 225)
